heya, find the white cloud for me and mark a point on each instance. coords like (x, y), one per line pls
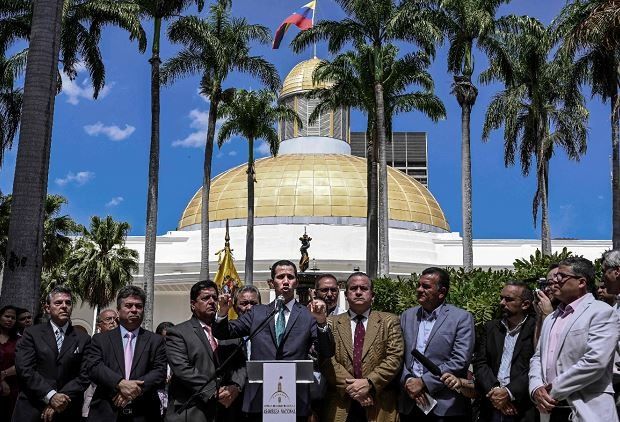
(114, 201)
(114, 133)
(76, 90)
(232, 153)
(204, 97)
(80, 178)
(198, 138)
(263, 149)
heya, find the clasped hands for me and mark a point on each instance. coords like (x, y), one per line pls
(227, 394)
(359, 390)
(416, 389)
(544, 402)
(57, 404)
(128, 390)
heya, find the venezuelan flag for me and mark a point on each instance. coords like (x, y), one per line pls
(302, 19)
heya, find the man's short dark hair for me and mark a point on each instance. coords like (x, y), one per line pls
(201, 285)
(443, 277)
(163, 326)
(526, 292)
(246, 289)
(552, 266)
(322, 276)
(360, 274)
(283, 263)
(581, 267)
(58, 290)
(130, 290)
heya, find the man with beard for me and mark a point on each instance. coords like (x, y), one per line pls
(445, 335)
(47, 362)
(128, 364)
(194, 355)
(502, 358)
(571, 370)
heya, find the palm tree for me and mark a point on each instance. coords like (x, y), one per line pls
(538, 108)
(253, 114)
(100, 263)
(159, 12)
(215, 47)
(81, 27)
(591, 31)
(350, 85)
(20, 285)
(466, 21)
(10, 100)
(375, 23)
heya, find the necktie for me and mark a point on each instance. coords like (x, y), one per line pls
(280, 326)
(358, 346)
(59, 338)
(212, 340)
(128, 355)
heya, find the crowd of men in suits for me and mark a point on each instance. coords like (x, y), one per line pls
(550, 357)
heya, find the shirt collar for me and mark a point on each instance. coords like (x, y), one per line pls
(353, 315)
(564, 310)
(289, 305)
(431, 316)
(56, 327)
(516, 329)
(125, 331)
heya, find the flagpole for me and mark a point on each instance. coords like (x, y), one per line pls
(313, 13)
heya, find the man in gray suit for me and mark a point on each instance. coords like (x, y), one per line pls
(194, 354)
(445, 335)
(571, 371)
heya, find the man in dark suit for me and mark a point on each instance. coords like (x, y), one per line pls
(128, 364)
(502, 358)
(47, 361)
(445, 335)
(288, 337)
(194, 354)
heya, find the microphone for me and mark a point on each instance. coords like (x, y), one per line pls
(279, 303)
(426, 362)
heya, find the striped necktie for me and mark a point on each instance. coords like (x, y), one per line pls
(59, 338)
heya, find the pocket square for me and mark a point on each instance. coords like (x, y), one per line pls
(77, 350)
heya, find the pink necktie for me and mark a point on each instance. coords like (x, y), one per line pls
(128, 355)
(212, 340)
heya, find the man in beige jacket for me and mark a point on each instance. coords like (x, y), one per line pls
(368, 356)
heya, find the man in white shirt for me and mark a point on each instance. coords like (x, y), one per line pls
(326, 289)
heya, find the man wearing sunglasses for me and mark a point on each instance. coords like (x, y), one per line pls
(571, 370)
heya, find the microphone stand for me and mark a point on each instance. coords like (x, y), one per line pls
(221, 368)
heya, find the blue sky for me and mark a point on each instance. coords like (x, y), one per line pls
(99, 158)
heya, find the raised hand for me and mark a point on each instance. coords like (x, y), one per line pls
(318, 309)
(225, 303)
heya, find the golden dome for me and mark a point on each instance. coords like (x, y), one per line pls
(314, 186)
(299, 78)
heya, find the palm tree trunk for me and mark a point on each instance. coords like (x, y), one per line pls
(545, 229)
(384, 247)
(206, 188)
(468, 252)
(372, 226)
(615, 182)
(249, 239)
(24, 260)
(150, 241)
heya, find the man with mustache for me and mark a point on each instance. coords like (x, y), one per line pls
(47, 361)
(128, 364)
(502, 358)
(445, 335)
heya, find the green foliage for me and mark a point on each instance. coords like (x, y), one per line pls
(538, 264)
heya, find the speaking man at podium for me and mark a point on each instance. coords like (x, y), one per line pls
(288, 336)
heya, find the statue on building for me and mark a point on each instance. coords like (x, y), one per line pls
(305, 245)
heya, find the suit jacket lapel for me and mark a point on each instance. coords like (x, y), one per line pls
(499, 335)
(576, 314)
(372, 330)
(50, 338)
(143, 338)
(343, 328)
(202, 336)
(441, 318)
(117, 348)
(417, 317)
(272, 323)
(68, 343)
(291, 319)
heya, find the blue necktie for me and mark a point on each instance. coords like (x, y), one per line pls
(280, 327)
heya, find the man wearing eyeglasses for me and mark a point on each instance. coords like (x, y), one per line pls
(326, 289)
(571, 370)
